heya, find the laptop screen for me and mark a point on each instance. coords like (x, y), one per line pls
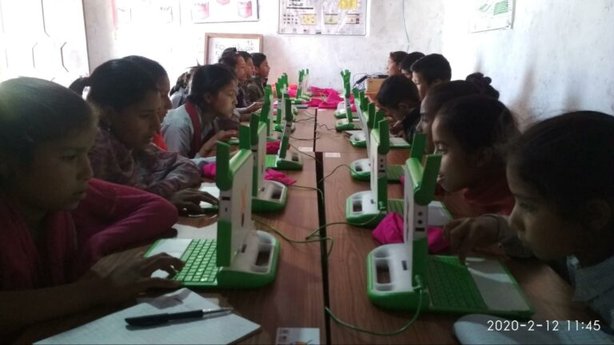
(234, 179)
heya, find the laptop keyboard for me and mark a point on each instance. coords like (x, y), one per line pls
(451, 286)
(200, 266)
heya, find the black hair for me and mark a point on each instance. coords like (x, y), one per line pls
(230, 60)
(183, 81)
(479, 122)
(119, 83)
(482, 82)
(397, 56)
(34, 111)
(78, 85)
(209, 79)
(410, 59)
(258, 59)
(396, 89)
(433, 67)
(441, 93)
(245, 55)
(568, 160)
(150, 66)
(230, 51)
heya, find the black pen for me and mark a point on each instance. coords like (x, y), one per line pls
(158, 319)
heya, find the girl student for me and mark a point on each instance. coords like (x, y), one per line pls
(429, 71)
(470, 132)
(393, 64)
(398, 98)
(560, 173)
(237, 62)
(193, 129)
(159, 75)
(128, 101)
(46, 131)
(255, 86)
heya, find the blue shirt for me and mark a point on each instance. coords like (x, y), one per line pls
(594, 285)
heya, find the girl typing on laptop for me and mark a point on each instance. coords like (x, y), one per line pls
(56, 220)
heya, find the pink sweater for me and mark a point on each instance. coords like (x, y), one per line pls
(110, 218)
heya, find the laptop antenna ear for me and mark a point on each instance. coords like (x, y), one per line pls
(223, 180)
(253, 129)
(244, 138)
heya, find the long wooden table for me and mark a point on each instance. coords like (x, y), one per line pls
(548, 293)
(301, 290)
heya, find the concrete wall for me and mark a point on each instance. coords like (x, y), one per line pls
(558, 56)
(179, 46)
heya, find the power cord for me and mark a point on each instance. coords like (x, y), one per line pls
(418, 290)
(306, 240)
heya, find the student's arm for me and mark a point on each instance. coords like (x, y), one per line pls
(209, 146)
(250, 109)
(168, 172)
(464, 234)
(113, 217)
(18, 309)
(177, 132)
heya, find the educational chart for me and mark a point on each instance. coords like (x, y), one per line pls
(491, 15)
(323, 17)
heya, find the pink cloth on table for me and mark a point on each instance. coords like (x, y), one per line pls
(314, 102)
(272, 147)
(278, 176)
(208, 170)
(390, 230)
(318, 92)
(292, 90)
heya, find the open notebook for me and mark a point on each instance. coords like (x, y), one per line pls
(240, 256)
(405, 276)
(112, 329)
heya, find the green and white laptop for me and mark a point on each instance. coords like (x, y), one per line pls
(404, 276)
(240, 256)
(267, 196)
(360, 169)
(349, 122)
(360, 138)
(285, 159)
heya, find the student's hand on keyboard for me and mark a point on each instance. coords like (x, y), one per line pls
(127, 281)
(188, 201)
(464, 234)
(253, 107)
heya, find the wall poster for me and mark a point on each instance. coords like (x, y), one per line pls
(216, 43)
(323, 17)
(491, 15)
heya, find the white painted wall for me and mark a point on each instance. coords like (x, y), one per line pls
(179, 47)
(558, 56)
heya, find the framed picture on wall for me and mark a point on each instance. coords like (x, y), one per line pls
(215, 44)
